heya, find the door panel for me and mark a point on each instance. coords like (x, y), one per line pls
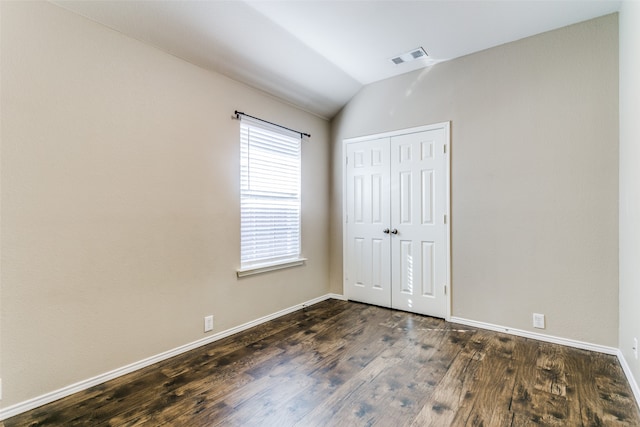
(406, 282)
(427, 191)
(428, 269)
(418, 198)
(367, 249)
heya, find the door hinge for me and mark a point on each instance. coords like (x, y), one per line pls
(346, 160)
(444, 147)
(445, 218)
(445, 289)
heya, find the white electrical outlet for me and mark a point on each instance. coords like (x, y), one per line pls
(208, 323)
(635, 348)
(538, 320)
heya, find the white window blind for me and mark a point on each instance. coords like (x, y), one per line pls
(269, 195)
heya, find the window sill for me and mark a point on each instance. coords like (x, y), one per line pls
(258, 269)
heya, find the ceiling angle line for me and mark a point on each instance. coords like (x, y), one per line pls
(240, 113)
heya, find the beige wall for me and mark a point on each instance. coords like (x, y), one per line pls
(534, 176)
(630, 183)
(120, 209)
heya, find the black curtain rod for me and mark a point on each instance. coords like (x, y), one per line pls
(240, 113)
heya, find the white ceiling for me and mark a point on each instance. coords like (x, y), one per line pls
(317, 54)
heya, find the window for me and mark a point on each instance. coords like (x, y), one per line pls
(269, 197)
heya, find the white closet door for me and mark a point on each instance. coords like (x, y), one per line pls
(396, 247)
(367, 248)
(418, 206)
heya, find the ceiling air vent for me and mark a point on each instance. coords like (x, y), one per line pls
(419, 53)
(412, 55)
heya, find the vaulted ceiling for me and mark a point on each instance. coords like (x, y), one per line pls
(317, 54)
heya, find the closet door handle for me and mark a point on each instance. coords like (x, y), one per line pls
(394, 231)
(385, 231)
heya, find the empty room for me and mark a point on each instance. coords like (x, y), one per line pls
(319, 213)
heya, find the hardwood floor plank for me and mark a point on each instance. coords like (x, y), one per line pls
(542, 390)
(451, 391)
(487, 394)
(339, 363)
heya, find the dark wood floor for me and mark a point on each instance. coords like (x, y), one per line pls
(346, 364)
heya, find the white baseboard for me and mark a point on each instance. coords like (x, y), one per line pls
(337, 296)
(99, 379)
(632, 381)
(537, 336)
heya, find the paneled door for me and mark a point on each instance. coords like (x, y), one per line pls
(367, 201)
(396, 227)
(418, 209)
